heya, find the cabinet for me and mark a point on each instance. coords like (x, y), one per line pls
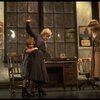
(62, 72)
(70, 73)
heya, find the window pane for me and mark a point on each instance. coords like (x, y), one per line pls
(21, 19)
(22, 6)
(50, 49)
(70, 49)
(11, 6)
(70, 35)
(59, 35)
(11, 20)
(59, 49)
(33, 7)
(58, 7)
(21, 47)
(35, 20)
(69, 20)
(68, 7)
(22, 35)
(12, 48)
(48, 20)
(59, 20)
(48, 7)
(11, 35)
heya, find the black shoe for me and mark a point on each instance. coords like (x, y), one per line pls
(25, 93)
(33, 93)
(41, 92)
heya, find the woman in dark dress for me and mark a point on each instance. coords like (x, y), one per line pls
(38, 71)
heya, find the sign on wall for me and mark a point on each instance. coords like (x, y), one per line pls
(85, 36)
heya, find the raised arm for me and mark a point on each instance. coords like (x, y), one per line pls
(29, 30)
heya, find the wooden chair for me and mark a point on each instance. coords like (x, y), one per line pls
(84, 68)
(14, 71)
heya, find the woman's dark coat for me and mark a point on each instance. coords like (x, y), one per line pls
(36, 65)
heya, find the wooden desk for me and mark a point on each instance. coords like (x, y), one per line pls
(64, 72)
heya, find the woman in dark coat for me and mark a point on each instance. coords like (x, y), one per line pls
(38, 72)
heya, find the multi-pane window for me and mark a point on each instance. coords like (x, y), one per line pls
(16, 14)
(60, 17)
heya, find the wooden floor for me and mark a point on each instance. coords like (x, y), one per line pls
(52, 93)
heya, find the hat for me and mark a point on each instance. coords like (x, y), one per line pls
(96, 28)
(93, 22)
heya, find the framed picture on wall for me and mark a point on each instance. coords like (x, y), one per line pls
(85, 36)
